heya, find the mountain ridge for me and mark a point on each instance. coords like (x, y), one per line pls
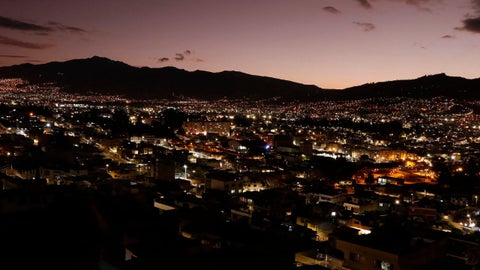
(106, 76)
(100, 74)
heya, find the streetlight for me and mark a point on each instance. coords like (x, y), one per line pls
(185, 167)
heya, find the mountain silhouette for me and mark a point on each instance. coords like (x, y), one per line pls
(423, 87)
(105, 76)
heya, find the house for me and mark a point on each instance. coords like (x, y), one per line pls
(390, 247)
(335, 196)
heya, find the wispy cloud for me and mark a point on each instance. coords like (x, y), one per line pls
(367, 27)
(12, 56)
(179, 56)
(39, 29)
(419, 45)
(24, 26)
(448, 36)
(364, 4)
(23, 44)
(331, 9)
(420, 4)
(35, 61)
(67, 28)
(35, 29)
(186, 55)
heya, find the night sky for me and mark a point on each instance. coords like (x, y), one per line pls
(329, 43)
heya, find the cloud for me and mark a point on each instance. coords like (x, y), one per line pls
(19, 25)
(179, 57)
(40, 29)
(364, 4)
(12, 56)
(419, 45)
(23, 44)
(67, 28)
(471, 25)
(476, 4)
(366, 26)
(332, 10)
(35, 61)
(186, 55)
(42, 33)
(419, 4)
(448, 36)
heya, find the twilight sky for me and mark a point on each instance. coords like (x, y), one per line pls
(329, 43)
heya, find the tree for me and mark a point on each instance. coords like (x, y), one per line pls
(173, 119)
(370, 179)
(242, 121)
(365, 160)
(120, 120)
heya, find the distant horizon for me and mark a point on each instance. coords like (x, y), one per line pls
(327, 43)
(339, 89)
